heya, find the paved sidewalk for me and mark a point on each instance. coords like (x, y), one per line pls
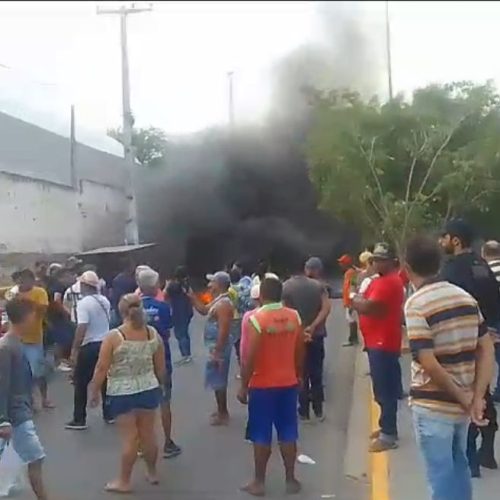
(404, 467)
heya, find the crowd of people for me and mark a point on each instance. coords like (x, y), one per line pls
(115, 343)
(445, 298)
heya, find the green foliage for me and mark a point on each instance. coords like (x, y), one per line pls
(393, 169)
(150, 144)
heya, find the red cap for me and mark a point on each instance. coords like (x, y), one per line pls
(345, 260)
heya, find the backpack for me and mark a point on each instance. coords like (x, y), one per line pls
(244, 302)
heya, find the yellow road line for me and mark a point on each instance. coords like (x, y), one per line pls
(379, 462)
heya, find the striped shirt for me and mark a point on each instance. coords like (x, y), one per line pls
(495, 267)
(443, 317)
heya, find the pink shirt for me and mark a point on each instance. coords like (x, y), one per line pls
(245, 333)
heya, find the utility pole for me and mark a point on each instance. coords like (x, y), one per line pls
(231, 98)
(388, 47)
(132, 230)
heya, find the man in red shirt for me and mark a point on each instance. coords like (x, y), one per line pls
(380, 310)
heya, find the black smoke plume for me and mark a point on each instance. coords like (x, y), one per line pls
(245, 194)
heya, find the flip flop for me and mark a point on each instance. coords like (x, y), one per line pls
(112, 488)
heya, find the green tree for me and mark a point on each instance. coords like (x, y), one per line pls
(150, 144)
(393, 169)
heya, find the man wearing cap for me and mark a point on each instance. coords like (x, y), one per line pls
(381, 309)
(308, 295)
(349, 285)
(160, 318)
(220, 314)
(466, 269)
(93, 313)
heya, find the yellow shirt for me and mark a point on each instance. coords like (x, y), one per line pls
(39, 297)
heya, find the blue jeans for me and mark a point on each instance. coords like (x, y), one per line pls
(181, 332)
(385, 371)
(443, 442)
(496, 394)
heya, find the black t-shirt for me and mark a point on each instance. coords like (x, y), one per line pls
(473, 274)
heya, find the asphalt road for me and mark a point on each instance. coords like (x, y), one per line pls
(216, 461)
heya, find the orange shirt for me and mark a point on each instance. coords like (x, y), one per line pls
(349, 280)
(279, 328)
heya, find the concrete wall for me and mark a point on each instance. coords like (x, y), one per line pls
(103, 212)
(47, 218)
(37, 216)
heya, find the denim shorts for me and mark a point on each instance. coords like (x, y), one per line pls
(217, 375)
(273, 407)
(145, 400)
(36, 358)
(25, 443)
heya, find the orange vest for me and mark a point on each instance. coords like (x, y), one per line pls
(279, 328)
(349, 277)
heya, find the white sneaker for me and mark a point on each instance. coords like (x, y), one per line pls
(64, 368)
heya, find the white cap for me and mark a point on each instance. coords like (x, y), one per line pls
(90, 278)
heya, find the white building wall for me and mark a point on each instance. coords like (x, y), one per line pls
(103, 211)
(37, 217)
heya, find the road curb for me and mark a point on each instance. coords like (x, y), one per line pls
(356, 460)
(379, 462)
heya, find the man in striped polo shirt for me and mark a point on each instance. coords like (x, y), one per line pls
(451, 368)
(491, 254)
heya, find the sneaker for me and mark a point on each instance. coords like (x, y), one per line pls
(76, 426)
(171, 450)
(109, 421)
(348, 344)
(380, 445)
(64, 368)
(320, 417)
(186, 360)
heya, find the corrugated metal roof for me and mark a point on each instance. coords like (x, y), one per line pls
(117, 249)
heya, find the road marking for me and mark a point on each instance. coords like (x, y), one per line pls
(379, 461)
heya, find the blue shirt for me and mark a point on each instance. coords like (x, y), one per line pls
(122, 284)
(160, 318)
(182, 309)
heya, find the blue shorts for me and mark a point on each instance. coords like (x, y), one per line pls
(25, 443)
(145, 400)
(217, 374)
(273, 407)
(35, 356)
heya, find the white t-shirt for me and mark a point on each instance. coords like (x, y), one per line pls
(94, 311)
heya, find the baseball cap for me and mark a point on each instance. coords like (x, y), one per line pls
(72, 262)
(383, 251)
(459, 228)
(90, 278)
(314, 264)
(220, 277)
(345, 260)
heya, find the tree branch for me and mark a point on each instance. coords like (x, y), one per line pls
(433, 163)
